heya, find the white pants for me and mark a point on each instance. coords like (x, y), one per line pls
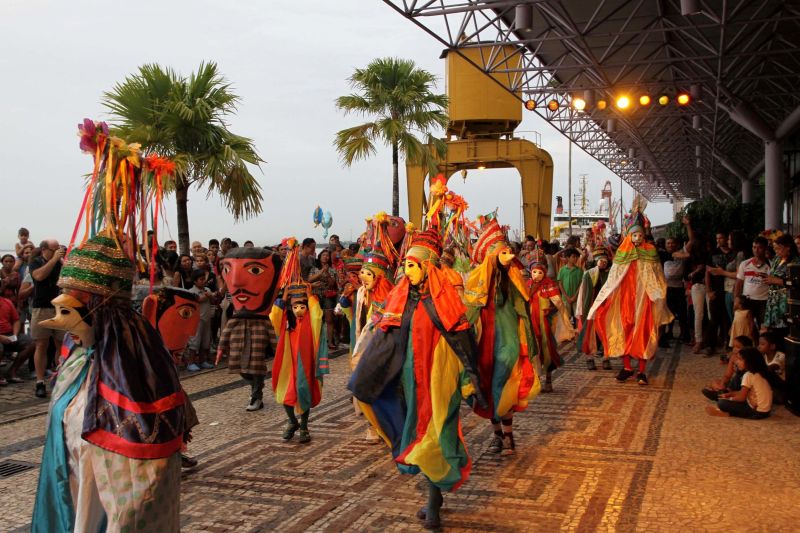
(699, 305)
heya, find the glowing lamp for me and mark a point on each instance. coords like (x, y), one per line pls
(663, 99)
(601, 104)
(683, 99)
(481, 166)
(644, 100)
(579, 104)
(552, 105)
(530, 105)
(623, 102)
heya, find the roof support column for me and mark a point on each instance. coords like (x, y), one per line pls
(747, 191)
(773, 185)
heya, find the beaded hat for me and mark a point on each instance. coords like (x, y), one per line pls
(491, 239)
(601, 251)
(99, 267)
(352, 264)
(298, 292)
(425, 246)
(376, 262)
(539, 260)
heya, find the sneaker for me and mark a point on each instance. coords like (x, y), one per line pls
(188, 462)
(496, 444)
(641, 378)
(590, 365)
(193, 368)
(303, 436)
(289, 431)
(508, 444)
(255, 405)
(624, 374)
(547, 387)
(607, 364)
(205, 365)
(41, 390)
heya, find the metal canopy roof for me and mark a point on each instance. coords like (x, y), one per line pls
(735, 57)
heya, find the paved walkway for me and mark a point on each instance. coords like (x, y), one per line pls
(594, 455)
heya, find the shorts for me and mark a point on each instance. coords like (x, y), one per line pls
(39, 333)
(17, 346)
(201, 341)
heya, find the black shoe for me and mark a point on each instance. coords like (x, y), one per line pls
(41, 390)
(290, 430)
(607, 364)
(508, 444)
(188, 462)
(641, 378)
(590, 364)
(547, 387)
(496, 444)
(303, 436)
(624, 374)
(712, 395)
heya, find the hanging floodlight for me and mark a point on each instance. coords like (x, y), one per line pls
(611, 124)
(623, 102)
(683, 98)
(641, 166)
(481, 166)
(588, 97)
(690, 7)
(644, 100)
(552, 105)
(663, 99)
(695, 91)
(601, 104)
(523, 17)
(631, 153)
(530, 105)
(464, 174)
(698, 151)
(578, 104)
(697, 122)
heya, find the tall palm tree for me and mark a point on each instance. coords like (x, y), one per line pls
(184, 119)
(398, 98)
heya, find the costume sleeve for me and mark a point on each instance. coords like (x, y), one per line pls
(378, 367)
(276, 315)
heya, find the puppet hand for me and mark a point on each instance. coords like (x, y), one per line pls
(220, 353)
(337, 310)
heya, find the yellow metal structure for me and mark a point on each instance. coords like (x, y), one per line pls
(483, 117)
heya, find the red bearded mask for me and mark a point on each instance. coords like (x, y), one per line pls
(396, 230)
(175, 313)
(251, 275)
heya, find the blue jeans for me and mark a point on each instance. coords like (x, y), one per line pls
(740, 409)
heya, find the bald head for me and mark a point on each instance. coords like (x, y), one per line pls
(48, 246)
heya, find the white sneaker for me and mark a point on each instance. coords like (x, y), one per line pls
(255, 405)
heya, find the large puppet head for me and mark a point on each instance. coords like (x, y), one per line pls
(251, 275)
(493, 242)
(175, 313)
(73, 317)
(374, 266)
(396, 230)
(425, 249)
(298, 299)
(538, 265)
(635, 225)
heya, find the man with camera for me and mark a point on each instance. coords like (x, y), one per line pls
(45, 269)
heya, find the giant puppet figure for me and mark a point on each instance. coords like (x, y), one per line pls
(249, 339)
(415, 370)
(549, 317)
(118, 416)
(631, 306)
(497, 300)
(175, 314)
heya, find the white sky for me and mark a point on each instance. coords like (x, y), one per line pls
(288, 61)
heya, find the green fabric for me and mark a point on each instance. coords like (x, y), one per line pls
(570, 278)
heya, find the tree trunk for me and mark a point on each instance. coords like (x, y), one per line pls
(181, 198)
(395, 182)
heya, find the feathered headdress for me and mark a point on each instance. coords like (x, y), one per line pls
(492, 238)
(636, 220)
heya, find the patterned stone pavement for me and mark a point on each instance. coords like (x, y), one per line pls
(594, 455)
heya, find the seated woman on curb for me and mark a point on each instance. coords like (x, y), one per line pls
(754, 400)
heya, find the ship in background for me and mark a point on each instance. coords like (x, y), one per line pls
(583, 217)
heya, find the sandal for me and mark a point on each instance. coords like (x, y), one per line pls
(15, 379)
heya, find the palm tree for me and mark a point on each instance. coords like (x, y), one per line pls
(398, 97)
(184, 119)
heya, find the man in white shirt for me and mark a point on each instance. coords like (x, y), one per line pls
(750, 279)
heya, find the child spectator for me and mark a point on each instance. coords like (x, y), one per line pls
(743, 321)
(198, 347)
(569, 280)
(754, 400)
(24, 236)
(732, 379)
(768, 346)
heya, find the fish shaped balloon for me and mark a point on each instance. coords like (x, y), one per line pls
(327, 222)
(317, 217)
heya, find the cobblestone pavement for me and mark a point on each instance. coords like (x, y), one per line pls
(594, 455)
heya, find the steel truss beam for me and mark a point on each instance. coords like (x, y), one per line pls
(750, 47)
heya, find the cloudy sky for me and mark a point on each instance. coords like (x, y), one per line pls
(287, 60)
